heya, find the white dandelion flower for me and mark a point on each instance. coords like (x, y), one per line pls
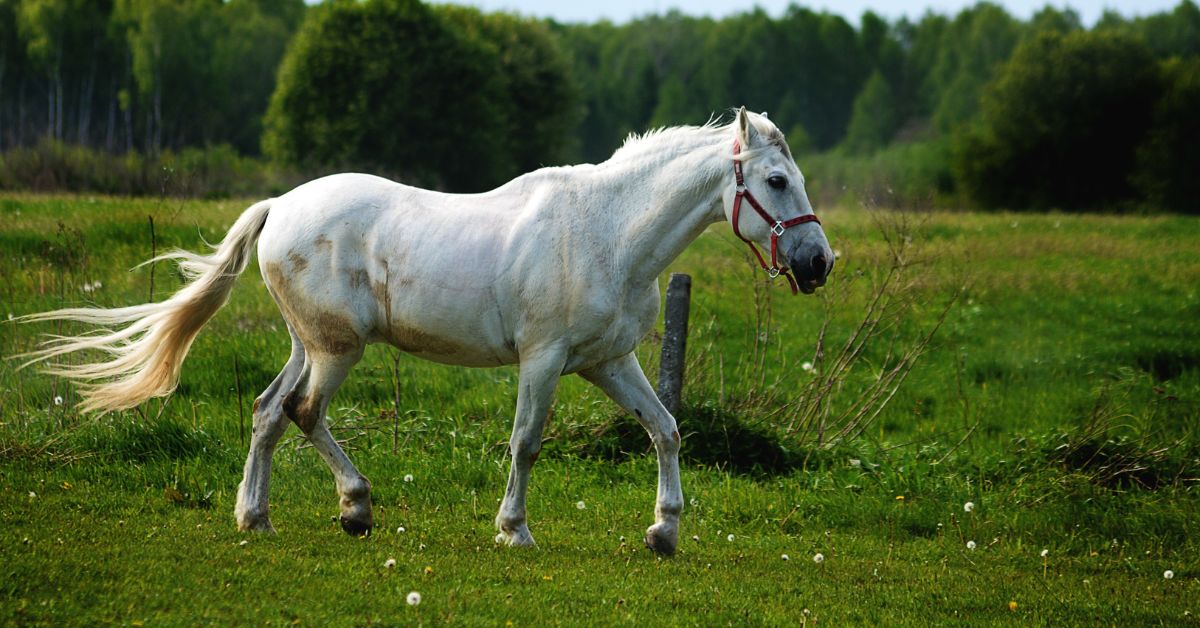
(580, 505)
(400, 530)
(968, 507)
(818, 558)
(389, 563)
(807, 366)
(1045, 553)
(970, 545)
(729, 538)
(413, 598)
(58, 400)
(408, 477)
(1168, 574)
(784, 557)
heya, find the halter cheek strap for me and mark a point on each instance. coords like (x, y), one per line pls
(778, 227)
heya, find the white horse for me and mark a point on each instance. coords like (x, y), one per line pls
(556, 271)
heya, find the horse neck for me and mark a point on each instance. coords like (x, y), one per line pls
(667, 204)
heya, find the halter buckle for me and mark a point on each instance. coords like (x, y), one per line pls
(778, 229)
(772, 272)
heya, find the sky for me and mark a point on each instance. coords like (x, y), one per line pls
(624, 10)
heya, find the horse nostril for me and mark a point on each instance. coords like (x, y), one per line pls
(819, 266)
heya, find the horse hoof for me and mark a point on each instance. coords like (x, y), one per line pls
(354, 527)
(661, 541)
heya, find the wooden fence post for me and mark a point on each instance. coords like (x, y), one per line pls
(674, 346)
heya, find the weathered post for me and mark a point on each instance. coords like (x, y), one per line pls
(674, 346)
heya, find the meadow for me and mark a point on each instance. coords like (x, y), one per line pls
(1040, 463)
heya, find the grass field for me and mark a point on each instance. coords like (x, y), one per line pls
(1061, 397)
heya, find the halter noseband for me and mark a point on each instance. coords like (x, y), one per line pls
(777, 226)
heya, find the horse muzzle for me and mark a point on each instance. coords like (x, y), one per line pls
(811, 265)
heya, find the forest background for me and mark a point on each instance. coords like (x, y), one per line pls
(249, 97)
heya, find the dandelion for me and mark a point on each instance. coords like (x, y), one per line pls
(729, 538)
(968, 507)
(58, 400)
(413, 598)
(807, 366)
(32, 495)
(899, 498)
(1045, 553)
(1168, 574)
(818, 558)
(389, 563)
(970, 545)
(400, 530)
(785, 557)
(428, 570)
(408, 478)
(580, 505)
(1012, 605)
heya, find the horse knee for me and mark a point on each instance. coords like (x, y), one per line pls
(666, 441)
(525, 449)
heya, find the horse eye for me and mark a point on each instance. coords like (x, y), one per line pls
(777, 181)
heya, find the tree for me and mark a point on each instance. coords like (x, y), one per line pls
(874, 118)
(1059, 125)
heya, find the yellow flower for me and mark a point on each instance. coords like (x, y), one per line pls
(428, 570)
(899, 498)
(1012, 606)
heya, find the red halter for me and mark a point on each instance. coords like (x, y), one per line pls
(777, 226)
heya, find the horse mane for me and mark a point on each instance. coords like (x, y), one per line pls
(683, 137)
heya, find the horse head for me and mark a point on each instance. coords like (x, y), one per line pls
(767, 205)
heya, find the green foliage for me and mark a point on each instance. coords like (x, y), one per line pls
(1060, 125)
(1169, 158)
(396, 87)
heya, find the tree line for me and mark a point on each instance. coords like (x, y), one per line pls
(1006, 112)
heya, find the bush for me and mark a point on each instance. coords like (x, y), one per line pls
(395, 87)
(1060, 124)
(1169, 158)
(218, 171)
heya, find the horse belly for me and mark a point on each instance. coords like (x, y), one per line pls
(467, 335)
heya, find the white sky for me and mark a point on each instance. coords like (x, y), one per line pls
(624, 10)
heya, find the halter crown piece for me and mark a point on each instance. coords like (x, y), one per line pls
(778, 227)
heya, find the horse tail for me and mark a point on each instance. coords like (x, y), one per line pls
(146, 355)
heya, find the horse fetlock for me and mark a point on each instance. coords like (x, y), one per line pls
(515, 537)
(253, 519)
(662, 538)
(357, 518)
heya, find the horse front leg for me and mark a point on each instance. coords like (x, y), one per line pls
(624, 382)
(538, 380)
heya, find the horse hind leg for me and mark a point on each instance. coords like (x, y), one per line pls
(306, 405)
(270, 423)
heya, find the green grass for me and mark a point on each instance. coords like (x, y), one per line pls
(1068, 322)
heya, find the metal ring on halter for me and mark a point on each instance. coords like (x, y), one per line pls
(778, 229)
(772, 272)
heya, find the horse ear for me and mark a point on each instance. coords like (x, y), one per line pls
(747, 134)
